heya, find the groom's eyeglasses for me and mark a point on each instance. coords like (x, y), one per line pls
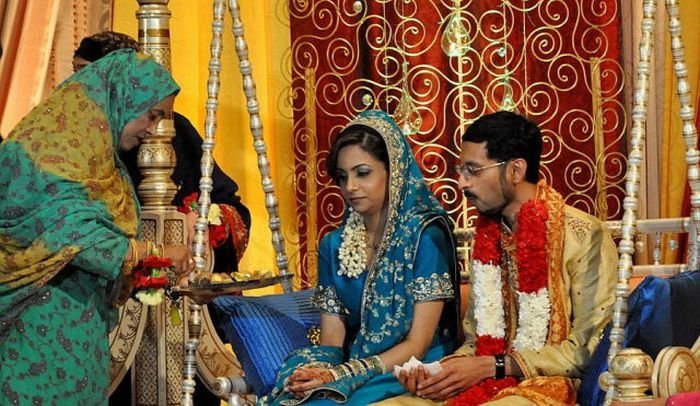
(467, 171)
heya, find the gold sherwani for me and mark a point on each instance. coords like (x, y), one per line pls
(582, 262)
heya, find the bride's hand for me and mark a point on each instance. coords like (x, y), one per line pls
(307, 378)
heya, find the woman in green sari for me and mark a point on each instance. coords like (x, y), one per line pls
(68, 225)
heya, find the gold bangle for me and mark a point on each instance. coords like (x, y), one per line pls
(136, 258)
(377, 364)
(127, 268)
(341, 371)
(335, 374)
(129, 263)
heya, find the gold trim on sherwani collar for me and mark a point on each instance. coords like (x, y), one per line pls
(559, 320)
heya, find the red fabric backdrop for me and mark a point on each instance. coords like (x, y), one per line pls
(561, 59)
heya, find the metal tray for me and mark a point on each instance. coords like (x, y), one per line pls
(203, 294)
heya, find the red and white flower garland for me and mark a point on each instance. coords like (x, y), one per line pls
(533, 297)
(150, 279)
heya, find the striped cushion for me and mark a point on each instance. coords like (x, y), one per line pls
(265, 330)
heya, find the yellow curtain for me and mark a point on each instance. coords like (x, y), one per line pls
(672, 154)
(38, 39)
(20, 88)
(267, 35)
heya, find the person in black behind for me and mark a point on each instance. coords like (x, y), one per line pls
(188, 149)
(187, 144)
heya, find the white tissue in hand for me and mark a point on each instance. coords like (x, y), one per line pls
(432, 368)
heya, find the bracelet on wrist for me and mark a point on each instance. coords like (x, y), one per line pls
(131, 258)
(376, 364)
(355, 367)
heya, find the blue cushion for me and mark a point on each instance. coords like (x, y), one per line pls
(265, 330)
(660, 314)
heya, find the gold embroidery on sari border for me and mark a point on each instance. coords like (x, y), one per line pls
(327, 300)
(435, 287)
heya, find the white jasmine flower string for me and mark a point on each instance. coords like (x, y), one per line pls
(352, 253)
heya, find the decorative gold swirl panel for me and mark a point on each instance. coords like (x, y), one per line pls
(555, 61)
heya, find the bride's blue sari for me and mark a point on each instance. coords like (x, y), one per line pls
(415, 263)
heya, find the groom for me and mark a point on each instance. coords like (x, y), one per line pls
(543, 277)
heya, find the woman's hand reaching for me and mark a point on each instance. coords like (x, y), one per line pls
(182, 260)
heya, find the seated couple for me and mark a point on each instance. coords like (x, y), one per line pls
(542, 279)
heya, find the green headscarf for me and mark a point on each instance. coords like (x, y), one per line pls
(65, 199)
